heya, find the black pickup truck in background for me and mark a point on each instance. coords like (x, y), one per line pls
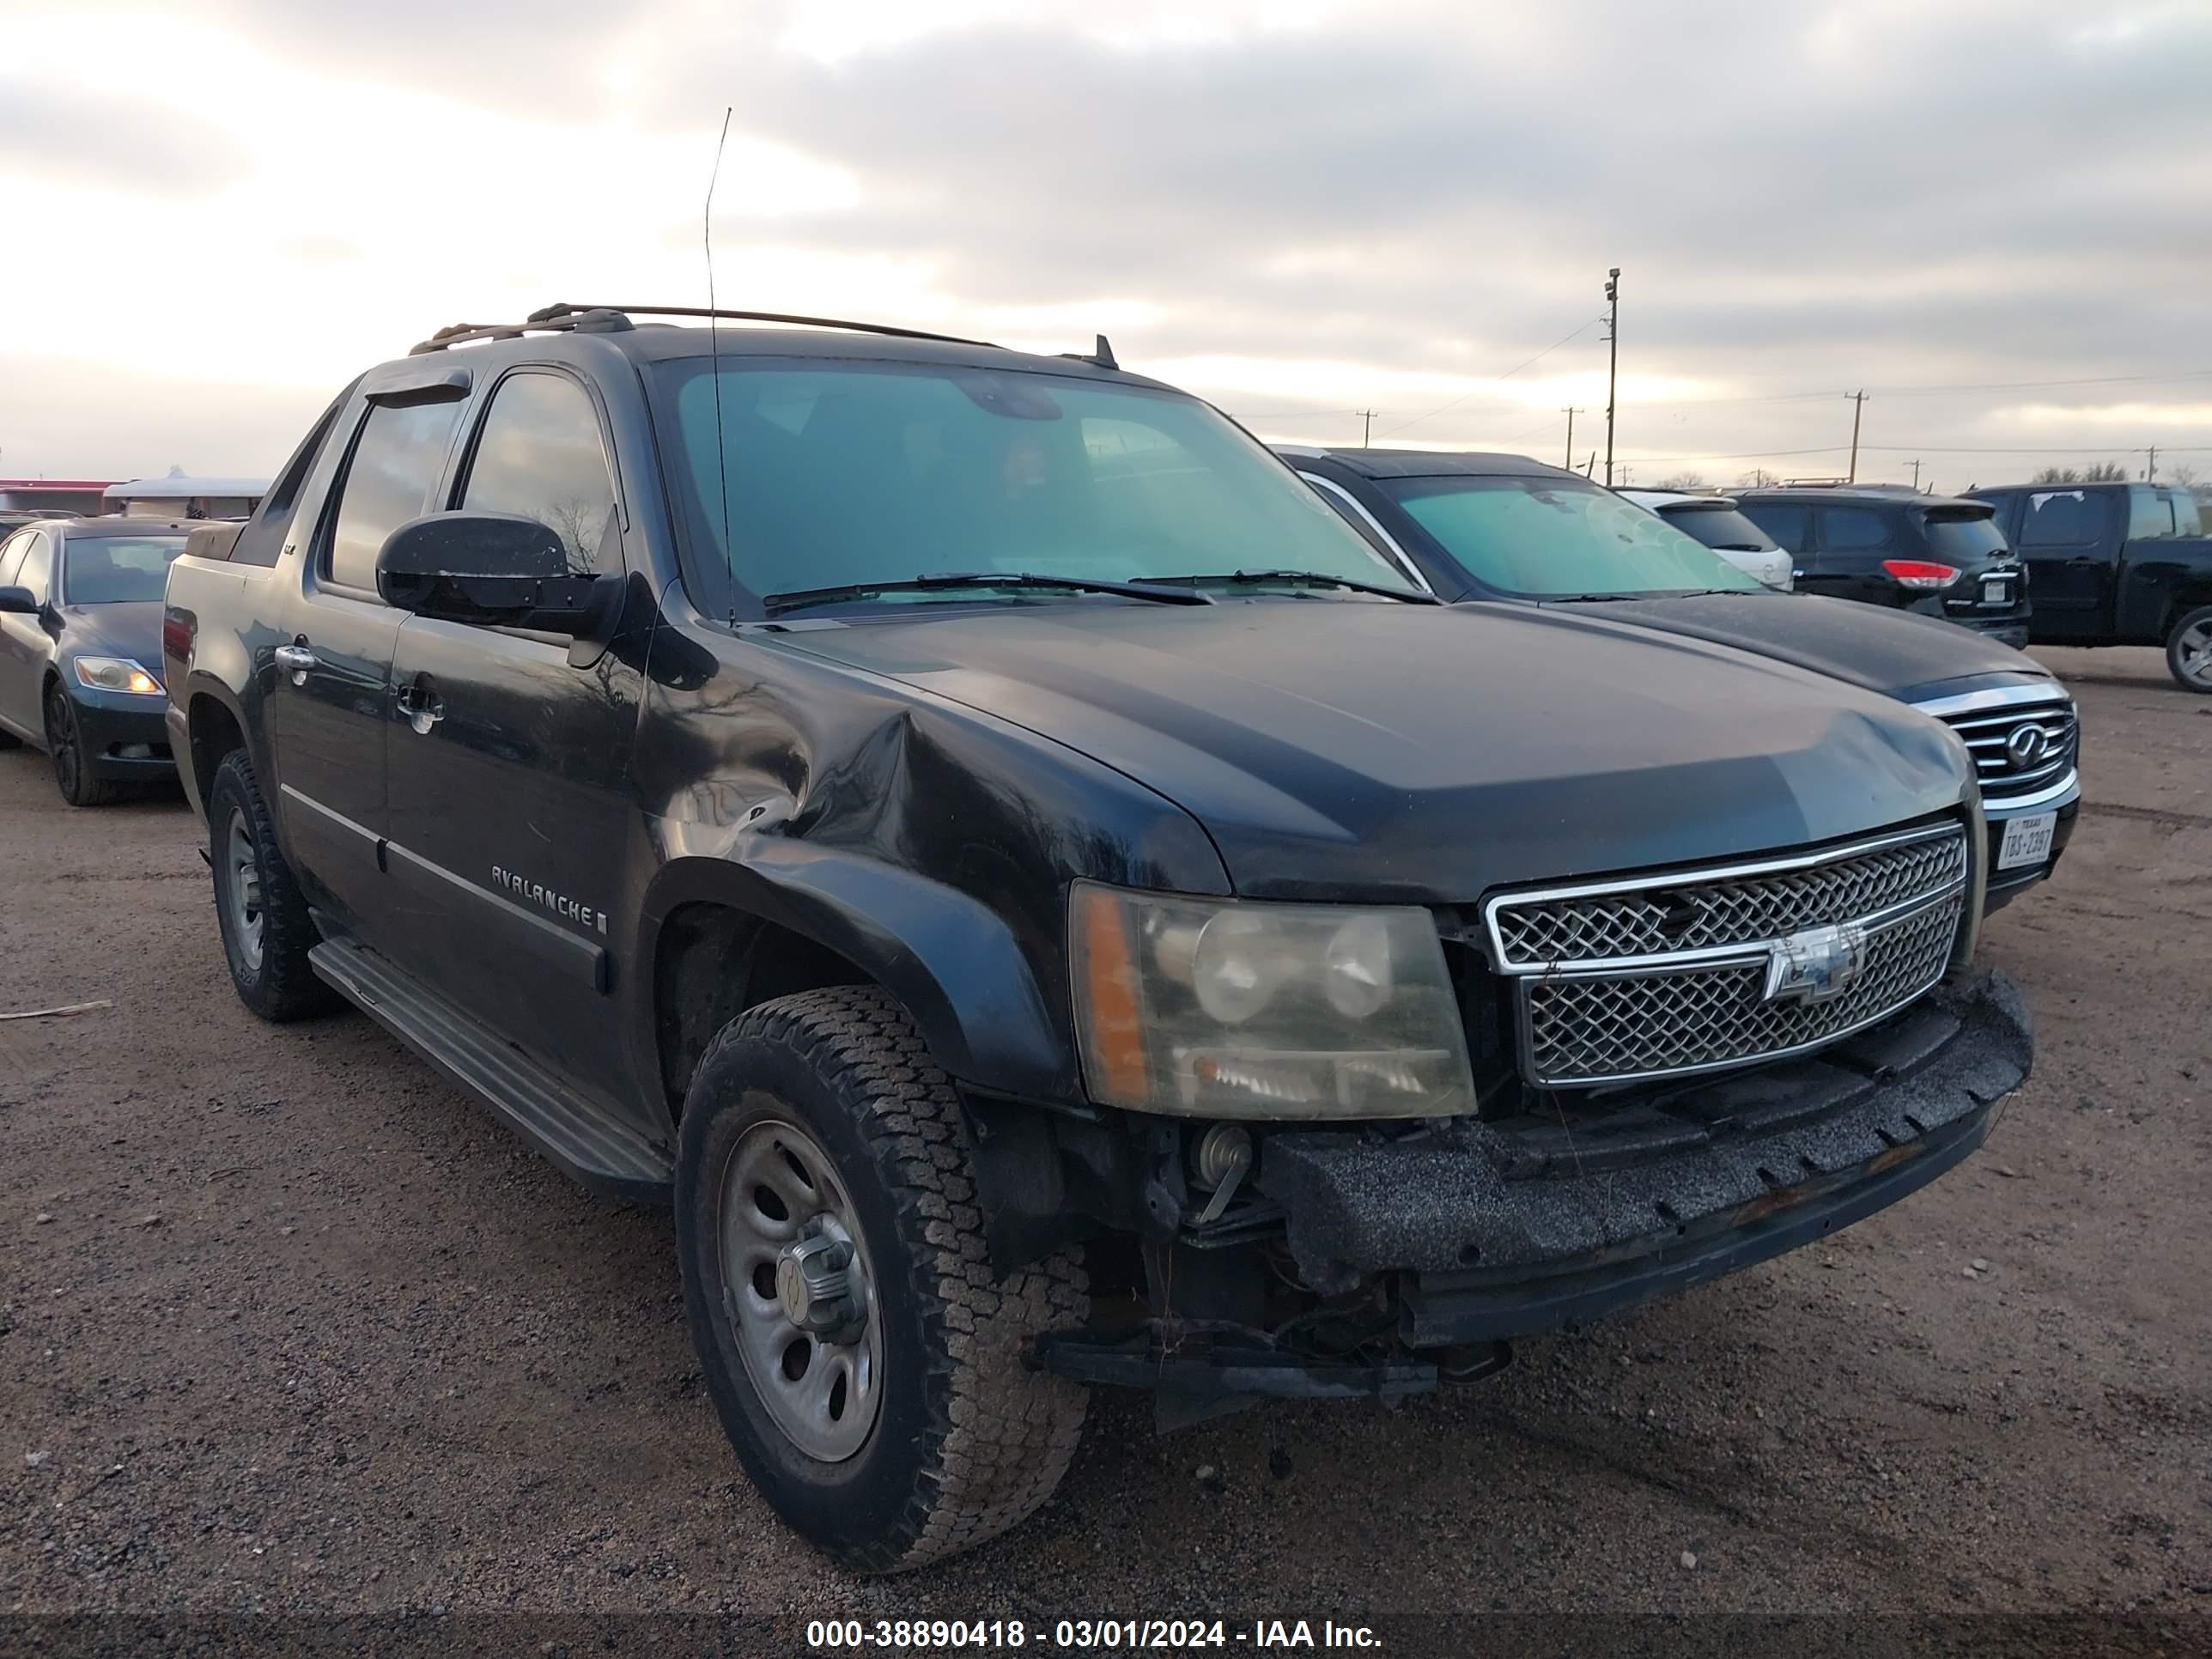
(2115, 564)
(1042, 900)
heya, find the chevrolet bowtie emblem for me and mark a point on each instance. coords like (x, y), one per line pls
(1816, 964)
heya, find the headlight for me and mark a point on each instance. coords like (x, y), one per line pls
(116, 674)
(1221, 1008)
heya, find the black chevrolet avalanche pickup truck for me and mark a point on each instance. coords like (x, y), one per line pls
(1479, 527)
(2116, 564)
(1045, 902)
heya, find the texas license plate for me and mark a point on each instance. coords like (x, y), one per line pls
(2026, 840)
(1997, 590)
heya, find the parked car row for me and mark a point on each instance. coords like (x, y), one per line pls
(1054, 898)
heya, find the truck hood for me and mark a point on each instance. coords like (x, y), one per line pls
(1892, 651)
(1346, 749)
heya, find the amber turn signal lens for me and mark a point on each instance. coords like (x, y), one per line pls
(1117, 1030)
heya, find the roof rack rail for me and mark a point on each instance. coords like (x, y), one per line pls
(594, 320)
(553, 316)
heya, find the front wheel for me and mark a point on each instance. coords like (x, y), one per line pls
(2189, 651)
(868, 1367)
(65, 748)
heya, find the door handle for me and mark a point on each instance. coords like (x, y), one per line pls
(419, 701)
(295, 660)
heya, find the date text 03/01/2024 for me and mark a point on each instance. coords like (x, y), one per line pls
(1082, 1634)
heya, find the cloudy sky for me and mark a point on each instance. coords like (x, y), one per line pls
(1996, 218)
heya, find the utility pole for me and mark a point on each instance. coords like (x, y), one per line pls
(1366, 424)
(1589, 467)
(1627, 473)
(1612, 362)
(1915, 477)
(1570, 414)
(2150, 473)
(1858, 408)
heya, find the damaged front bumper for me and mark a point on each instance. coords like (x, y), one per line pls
(1502, 1230)
(1473, 1232)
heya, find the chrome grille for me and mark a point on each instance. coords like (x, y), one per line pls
(1600, 1028)
(1695, 969)
(1988, 732)
(1701, 909)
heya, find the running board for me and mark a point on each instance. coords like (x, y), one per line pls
(579, 1138)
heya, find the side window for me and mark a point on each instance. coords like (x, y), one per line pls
(38, 557)
(1852, 530)
(538, 455)
(395, 465)
(2061, 518)
(2188, 516)
(2150, 516)
(263, 539)
(1786, 525)
(11, 554)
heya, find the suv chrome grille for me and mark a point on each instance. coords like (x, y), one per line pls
(1697, 909)
(1696, 969)
(1592, 1028)
(2006, 772)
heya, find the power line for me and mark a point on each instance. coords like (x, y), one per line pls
(1507, 375)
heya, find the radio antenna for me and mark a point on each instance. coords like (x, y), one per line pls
(714, 353)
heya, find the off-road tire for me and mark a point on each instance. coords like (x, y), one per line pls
(65, 748)
(970, 1440)
(2200, 617)
(284, 986)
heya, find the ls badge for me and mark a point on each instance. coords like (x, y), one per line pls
(1816, 964)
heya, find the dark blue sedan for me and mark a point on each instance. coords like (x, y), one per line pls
(81, 648)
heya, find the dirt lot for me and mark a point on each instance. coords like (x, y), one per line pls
(290, 1326)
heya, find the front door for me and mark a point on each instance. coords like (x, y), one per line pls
(26, 561)
(511, 795)
(329, 704)
(2070, 545)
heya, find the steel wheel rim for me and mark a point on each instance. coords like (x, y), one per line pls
(243, 891)
(822, 1392)
(2193, 651)
(61, 743)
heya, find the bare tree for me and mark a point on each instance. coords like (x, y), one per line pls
(2097, 472)
(1681, 481)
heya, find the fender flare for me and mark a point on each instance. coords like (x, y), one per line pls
(948, 958)
(202, 686)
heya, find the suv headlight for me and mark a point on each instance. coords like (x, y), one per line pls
(1225, 1008)
(116, 674)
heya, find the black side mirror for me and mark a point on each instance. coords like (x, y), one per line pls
(18, 602)
(491, 568)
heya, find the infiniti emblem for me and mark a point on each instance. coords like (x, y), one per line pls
(2026, 746)
(1816, 964)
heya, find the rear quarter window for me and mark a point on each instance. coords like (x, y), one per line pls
(1784, 522)
(1852, 530)
(2062, 517)
(2150, 515)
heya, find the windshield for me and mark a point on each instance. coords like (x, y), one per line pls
(117, 569)
(1720, 526)
(845, 474)
(1965, 539)
(1560, 539)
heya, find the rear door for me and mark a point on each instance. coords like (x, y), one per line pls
(2070, 543)
(24, 560)
(1849, 544)
(510, 782)
(329, 663)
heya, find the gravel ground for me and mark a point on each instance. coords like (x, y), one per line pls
(288, 1326)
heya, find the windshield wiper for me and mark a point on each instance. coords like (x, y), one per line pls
(806, 595)
(1316, 579)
